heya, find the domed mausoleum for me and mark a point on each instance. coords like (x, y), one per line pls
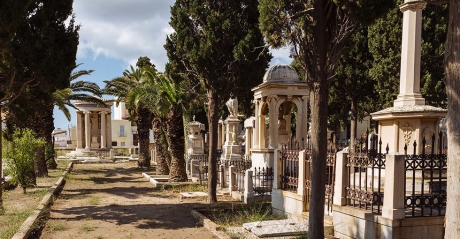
(280, 93)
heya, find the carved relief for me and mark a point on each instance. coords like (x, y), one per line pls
(407, 133)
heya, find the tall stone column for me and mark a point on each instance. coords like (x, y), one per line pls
(273, 123)
(109, 131)
(298, 125)
(79, 130)
(409, 89)
(257, 122)
(87, 130)
(103, 130)
(304, 121)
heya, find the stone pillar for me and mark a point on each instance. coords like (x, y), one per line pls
(223, 180)
(409, 88)
(255, 134)
(341, 179)
(103, 130)
(87, 130)
(393, 202)
(248, 141)
(298, 125)
(232, 186)
(304, 121)
(79, 130)
(109, 132)
(273, 123)
(248, 186)
(277, 169)
(262, 132)
(303, 173)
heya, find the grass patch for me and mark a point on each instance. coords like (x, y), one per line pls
(87, 228)
(88, 218)
(94, 200)
(243, 214)
(58, 227)
(15, 220)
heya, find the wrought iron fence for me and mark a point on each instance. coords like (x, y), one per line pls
(426, 180)
(290, 166)
(262, 180)
(365, 165)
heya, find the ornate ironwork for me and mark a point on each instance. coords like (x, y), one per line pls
(365, 164)
(427, 174)
(290, 165)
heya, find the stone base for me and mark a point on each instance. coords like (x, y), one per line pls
(354, 223)
(287, 203)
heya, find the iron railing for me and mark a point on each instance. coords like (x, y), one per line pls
(426, 180)
(262, 181)
(365, 165)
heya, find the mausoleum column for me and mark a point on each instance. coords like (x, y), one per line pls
(273, 125)
(103, 130)
(298, 125)
(409, 91)
(87, 130)
(79, 130)
(255, 134)
(304, 122)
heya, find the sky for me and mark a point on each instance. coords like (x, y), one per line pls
(114, 34)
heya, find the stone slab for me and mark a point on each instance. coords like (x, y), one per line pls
(277, 228)
(193, 194)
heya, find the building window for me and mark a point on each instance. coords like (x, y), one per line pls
(99, 121)
(122, 131)
(114, 143)
(122, 143)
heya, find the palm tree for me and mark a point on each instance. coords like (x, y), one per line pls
(63, 99)
(166, 101)
(120, 87)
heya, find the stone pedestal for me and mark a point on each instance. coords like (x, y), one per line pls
(231, 150)
(195, 139)
(400, 126)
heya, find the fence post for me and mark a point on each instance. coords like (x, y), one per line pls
(232, 178)
(248, 186)
(222, 176)
(277, 169)
(393, 200)
(302, 173)
(341, 179)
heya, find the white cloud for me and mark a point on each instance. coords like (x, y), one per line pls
(124, 29)
(128, 29)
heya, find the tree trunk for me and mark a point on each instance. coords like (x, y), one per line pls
(143, 125)
(318, 105)
(48, 150)
(353, 124)
(452, 70)
(175, 136)
(213, 127)
(162, 167)
(1, 166)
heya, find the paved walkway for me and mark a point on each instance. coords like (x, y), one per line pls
(115, 201)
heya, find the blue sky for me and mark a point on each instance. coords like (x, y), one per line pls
(114, 34)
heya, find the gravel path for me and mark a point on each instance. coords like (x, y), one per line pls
(115, 201)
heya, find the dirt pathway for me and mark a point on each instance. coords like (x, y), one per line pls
(115, 201)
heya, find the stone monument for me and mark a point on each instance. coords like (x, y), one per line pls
(409, 119)
(231, 149)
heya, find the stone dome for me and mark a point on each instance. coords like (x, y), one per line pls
(281, 73)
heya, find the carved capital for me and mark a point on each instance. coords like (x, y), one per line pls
(412, 6)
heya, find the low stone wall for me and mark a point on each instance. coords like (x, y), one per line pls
(33, 222)
(352, 223)
(287, 203)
